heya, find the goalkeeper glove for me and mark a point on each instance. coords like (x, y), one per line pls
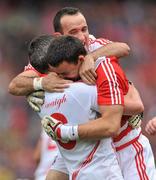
(57, 131)
(35, 100)
(50, 124)
(135, 120)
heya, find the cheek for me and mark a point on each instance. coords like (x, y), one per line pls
(73, 73)
(87, 38)
(76, 36)
(50, 70)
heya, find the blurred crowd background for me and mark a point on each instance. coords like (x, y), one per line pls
(126, 21)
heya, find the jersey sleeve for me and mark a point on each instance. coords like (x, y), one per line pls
(112, 83)
(30, 67)
(97, 43)
(91, 37)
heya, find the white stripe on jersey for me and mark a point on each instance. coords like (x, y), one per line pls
(116, 82)
(111, 76)
(97, 43)
(112, 80)
(103, 66)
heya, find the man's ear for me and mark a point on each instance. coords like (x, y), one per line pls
(81, 58)
(56, 34)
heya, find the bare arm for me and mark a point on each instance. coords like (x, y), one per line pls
(133, 102)
(117, 49)
(109, 123)
(22, 84)
(87, 69)
(106, 126)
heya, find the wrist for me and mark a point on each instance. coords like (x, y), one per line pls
(67, 133)
(37, 83)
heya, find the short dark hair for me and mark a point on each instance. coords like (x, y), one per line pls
(64, 11)
(37, 50)
(65, 48)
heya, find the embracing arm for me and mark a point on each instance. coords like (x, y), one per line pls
(105, 126)
(87, 69)
(133, 102)
(23, 84)
(117, 49)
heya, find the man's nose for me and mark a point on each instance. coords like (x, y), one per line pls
(81, 37)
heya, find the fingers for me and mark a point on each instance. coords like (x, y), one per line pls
(93, 73)
(64, 81)
(38, 94)
(36, 100)
(50, 121)
(89, 77)
(55, 84)
(151, 128)
(135, 121)
(61, 85)
(34, 106)
(44, 122)
(47, 124)
(87, 71)
(58, 88)
(85, 80)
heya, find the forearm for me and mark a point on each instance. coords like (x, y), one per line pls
(21, 86)
(27, 82)
(106, 126)
(133, 108)
(97, 129)
(113, 49)
(133, 102)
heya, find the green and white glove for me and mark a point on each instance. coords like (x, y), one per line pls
(135, 120)
(36, 100)
(57, 131)
(50, 125)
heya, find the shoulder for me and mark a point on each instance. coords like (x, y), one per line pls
(80, 90)
(80, 87)
(105, 61)
(29, 67)
(75, 90)
(95, 43)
